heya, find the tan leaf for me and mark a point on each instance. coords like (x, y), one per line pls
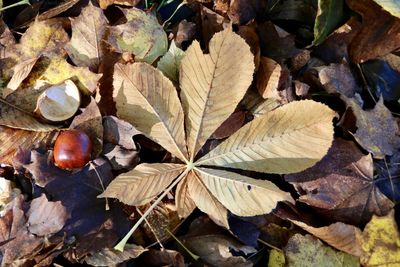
(13, 115)
(21, 71)
(205, 201)
(88, 30)
(268, 77)
(242, 195)
(184, 203)
(170, 62)
(213, 84)
(12, 139)
(105, 3)
(147, 99)
(288, 139)
(109, 256)
(339, 235)
(140, 185)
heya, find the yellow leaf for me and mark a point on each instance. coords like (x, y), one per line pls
(380, 242)
(205, 201)
(242, 195)
(140, 185)
(288, 139)
(148, 100)
(213, 84)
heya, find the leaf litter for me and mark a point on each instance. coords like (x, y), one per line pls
(221, 131)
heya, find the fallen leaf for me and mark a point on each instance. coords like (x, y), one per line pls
(387, 176)
(163, 257)
(7, 40)
(309, 251)
(121, 158)
(219, 250)
(88, 30)
(62, 7)
(186, 32)
(109, 256)
(242, 11)
(276, 258)
(119, 132)
(211, 23)
(376, 129)
(329, 15)
(338, 78)
(17, 110)
(13, 139)
(378, 35)
(45, 217)
(268, 77)
(21, 71)
(170, 63)
(206, 107)
(141, 35)
(339, 235)
(42, 38)
(380, 242)
(342, 185)
(230, 125)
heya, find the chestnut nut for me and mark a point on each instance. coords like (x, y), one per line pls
(72, 149)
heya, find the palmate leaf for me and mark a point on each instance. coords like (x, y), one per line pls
(148, 100)
(213, 84)
(288, 139)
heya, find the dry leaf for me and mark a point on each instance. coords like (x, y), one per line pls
(380, 242)
(106, 3)
(21, 71)
(337, 78)
(269, 143)
(342, 185)
(309, 251)
(142, 184)
(376, 128)
(170, 63)
(221, 82)
(268, 77)
(142, 36)
(88, 29)
(141, 89)
(109, 256)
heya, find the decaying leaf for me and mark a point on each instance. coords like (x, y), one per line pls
(282, 141)
(105, 3)
(141, 35)
(342, 185)
(109, 256)
(21, 71)
(378, 34)
(218, 250)
(88, 29)
(376, 129)
(170, 63)
(380, 242)
(309, 251)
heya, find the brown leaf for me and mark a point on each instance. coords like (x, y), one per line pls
(301, 88)
(7, 40)
(163, 257)
(219, 250)
(88, 30)
(376, 129)
(242, 11)
(211, 23)
(13, 139)
(90, 122)
(342, 186)
(335, 48)
(121, 158)
(378, 35)
(268, 77)
(186, 32)
(45, 217)
(119, 132)
(337, 78)
(57, 10)
(231, 125)
(109, 256)
(249, 34)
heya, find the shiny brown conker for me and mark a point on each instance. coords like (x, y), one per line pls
(72, 149)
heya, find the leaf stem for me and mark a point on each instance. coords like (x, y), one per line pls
(20, 3)
(194, 256)
(120, 246)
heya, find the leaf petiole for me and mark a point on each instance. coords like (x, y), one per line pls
(120, 246)
(20, 3)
